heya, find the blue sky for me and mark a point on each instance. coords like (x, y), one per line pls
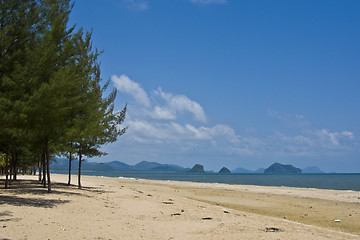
(232, 83)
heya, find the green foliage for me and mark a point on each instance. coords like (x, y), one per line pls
(50, 85)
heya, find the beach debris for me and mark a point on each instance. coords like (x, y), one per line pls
(149, 195)
(225, 210)
(337, 220)
(206, 218)
(182, 210)
(273, 229)
(175, 214)
(167, 202)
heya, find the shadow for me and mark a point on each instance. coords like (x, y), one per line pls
(30, 202)
(5, 213)
(34, 187)
(11, 194)
(10, 219)
(95, 190)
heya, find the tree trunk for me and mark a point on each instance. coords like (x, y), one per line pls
(39, 165)
(48, 164)
(70, 159)
(7, 166)
(12, 164)
(79, 175)
(15, 164)
(44, 168)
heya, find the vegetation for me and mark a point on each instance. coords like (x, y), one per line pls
(52, 101)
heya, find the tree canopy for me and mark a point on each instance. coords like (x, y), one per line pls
(52, 99)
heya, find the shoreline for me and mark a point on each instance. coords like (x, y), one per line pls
(308, 181)
(154, 209)
(230, 184)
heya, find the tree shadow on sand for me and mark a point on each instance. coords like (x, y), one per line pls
(35, 188)
(11, 196)
(30, 202)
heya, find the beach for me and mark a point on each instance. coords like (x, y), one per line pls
(123, 208)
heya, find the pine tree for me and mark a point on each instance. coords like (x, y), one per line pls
(18, 26)
(51, 99)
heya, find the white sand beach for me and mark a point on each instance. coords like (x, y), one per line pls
(114, 208)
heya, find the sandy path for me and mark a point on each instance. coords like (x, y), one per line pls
(110, 208)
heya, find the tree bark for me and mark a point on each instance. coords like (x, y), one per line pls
(44, 168)
(7, 165)
(79, 175)
(15, 164)
(48, 164)
(70, 159)
(12, 164)
(39, 165)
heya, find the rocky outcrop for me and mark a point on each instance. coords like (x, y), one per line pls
(224, 170)
(197, 168)
(278, 168)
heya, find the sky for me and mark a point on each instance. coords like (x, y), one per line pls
(234, 83)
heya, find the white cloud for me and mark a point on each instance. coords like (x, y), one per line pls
(297, 121)
(302, 139)
(327, 136)
(138, 5)
(348, 134)
(333, 138)
(208, 1)
(126, 85)
(162, 113)
(170, 126)
(181, 103)
(224, 131)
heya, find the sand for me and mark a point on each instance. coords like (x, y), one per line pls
(113, 208)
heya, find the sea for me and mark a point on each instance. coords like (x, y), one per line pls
(335, 181)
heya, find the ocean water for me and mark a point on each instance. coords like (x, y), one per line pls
(320, 181)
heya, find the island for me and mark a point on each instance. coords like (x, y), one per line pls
(197, 168)
(278, 168)
(224, 170)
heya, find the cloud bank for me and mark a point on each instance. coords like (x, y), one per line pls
(125, 85)
(174, 128)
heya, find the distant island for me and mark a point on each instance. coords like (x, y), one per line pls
(311, 170)
(278, 168)
(62, 164)
(224, 170)
(197, 168)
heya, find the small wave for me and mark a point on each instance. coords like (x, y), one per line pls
(126, 178)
